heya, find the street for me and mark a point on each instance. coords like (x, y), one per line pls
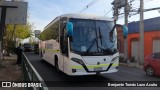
(60, 81)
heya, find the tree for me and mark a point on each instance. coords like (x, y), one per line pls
(50, 33)
(16, 31)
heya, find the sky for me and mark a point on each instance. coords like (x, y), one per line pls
(41, 12)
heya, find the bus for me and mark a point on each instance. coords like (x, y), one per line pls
(80, 44)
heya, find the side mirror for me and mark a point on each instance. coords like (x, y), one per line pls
(125, 31)
(69, 28)
(57, 39)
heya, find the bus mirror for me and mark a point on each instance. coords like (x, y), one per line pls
(69, 28)
(57, 39)
(125, 31)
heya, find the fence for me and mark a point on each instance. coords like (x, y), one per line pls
(31, 75)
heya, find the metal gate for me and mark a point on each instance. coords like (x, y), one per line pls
(156, 45)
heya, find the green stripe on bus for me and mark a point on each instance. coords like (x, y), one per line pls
(55, 50)
(51, 50)
(93, 66)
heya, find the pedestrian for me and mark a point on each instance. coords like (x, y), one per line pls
(19, 54)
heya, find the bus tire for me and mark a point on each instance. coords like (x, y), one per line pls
(56, 63)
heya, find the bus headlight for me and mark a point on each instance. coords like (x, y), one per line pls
(79, 61)
(115, 59)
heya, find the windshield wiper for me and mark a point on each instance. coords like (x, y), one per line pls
(91, 44)
(109, 50)
(99, 36)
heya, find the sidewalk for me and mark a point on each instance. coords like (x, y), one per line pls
(9, 71)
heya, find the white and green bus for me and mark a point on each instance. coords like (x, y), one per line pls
(80, 44)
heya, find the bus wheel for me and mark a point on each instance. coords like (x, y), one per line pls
(56, 64)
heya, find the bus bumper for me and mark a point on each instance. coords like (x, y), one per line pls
(82, 71)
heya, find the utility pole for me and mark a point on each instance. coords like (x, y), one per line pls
(126, 10)
(115, 12)
(141, 40)
(117, 5)
(2, 26)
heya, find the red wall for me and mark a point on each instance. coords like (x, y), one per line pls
(148, 41)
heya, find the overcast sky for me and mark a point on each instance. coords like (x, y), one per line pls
(41, 12)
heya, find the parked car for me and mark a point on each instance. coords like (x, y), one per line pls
(152, 64)
(27, 47)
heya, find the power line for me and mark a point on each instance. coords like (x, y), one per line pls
(88, 5)
(107, 12)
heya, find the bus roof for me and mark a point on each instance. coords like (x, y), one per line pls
(79, 16)
(86, 16)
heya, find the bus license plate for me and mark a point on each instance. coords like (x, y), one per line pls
(98, 69)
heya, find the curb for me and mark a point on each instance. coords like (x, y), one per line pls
(10, 57)
(130, 65)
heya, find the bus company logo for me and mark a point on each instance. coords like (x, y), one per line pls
(6, 84)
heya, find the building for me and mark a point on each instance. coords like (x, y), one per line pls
(151, 38)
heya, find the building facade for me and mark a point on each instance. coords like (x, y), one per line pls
(151, 38)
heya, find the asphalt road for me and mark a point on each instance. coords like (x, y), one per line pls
(60, 81)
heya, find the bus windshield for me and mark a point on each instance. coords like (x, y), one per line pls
(91, 37)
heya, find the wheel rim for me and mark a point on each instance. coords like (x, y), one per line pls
(150, 71)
